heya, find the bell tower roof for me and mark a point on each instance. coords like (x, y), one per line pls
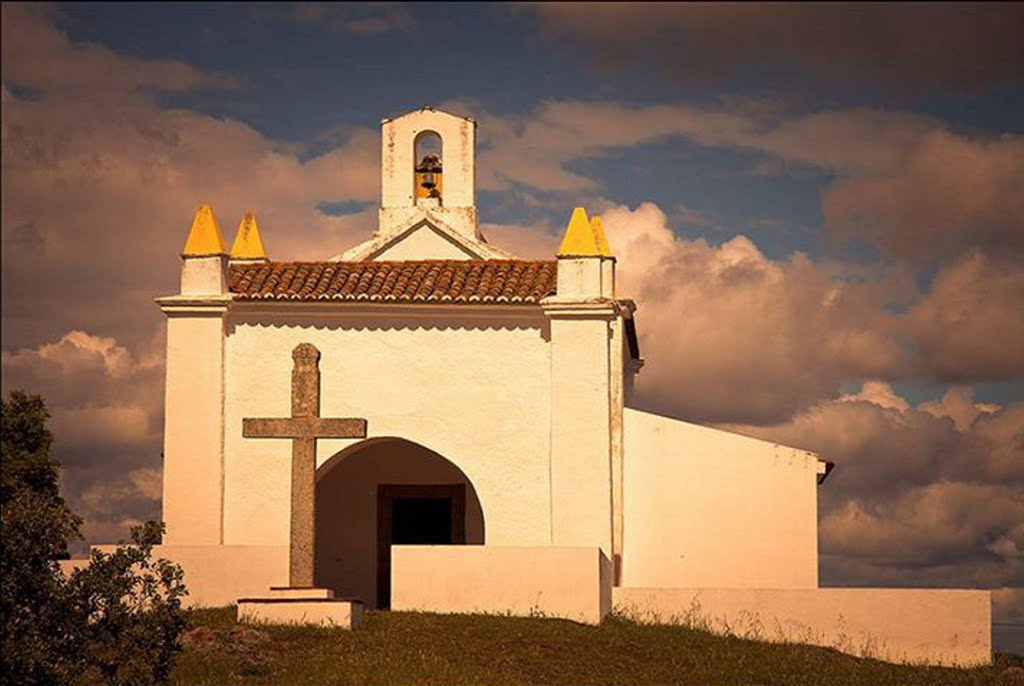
(426, 108)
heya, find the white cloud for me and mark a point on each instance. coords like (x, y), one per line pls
(731, 335)
(958, 404)
(38, 55)
(878, 393)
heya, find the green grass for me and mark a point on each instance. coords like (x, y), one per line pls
(414, 648)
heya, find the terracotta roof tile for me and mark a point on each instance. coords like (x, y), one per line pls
(425, 281)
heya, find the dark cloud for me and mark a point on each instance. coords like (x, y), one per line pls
(367, 18)
(912, 47)
(969, 326)
(931, 495)
(946, 194)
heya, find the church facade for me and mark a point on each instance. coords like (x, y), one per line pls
(471, 440)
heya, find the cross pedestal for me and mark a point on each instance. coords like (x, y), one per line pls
(300, 602)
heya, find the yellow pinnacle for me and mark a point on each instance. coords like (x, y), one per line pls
(583, 239)
(600, 237)
(204, 238)
(248, 243)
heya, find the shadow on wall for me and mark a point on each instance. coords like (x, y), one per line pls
(524, 318)
(355, 514)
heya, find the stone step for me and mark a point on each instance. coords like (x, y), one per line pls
(300, 592)
(328, 612)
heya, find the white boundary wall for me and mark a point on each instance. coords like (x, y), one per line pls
(930, 626)
(544, 581)
(218, 575)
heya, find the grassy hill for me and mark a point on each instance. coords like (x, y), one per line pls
(413, 648)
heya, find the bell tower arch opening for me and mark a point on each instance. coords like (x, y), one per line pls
(428, 173)
(383, 492)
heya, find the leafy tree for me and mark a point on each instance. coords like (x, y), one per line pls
(39, 641)
(130, 608)
(116, 621)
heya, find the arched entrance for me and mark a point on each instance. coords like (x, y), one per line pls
(386, 491)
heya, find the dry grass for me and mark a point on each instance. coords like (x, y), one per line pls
(414, 648)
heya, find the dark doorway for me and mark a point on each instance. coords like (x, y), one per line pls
(424, 521)
(416, 515)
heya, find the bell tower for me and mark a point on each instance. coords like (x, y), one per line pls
(427, 192)
(428, 165)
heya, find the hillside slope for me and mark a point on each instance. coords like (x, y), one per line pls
(412, 648)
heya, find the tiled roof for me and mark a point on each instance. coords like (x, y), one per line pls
(419, 281)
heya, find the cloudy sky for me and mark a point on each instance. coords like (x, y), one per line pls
(820, 211)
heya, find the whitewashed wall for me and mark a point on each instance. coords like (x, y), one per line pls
(705, 507)
(193, 429)
(424, 244)
(470, 385)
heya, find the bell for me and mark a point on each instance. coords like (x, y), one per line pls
(428, 180)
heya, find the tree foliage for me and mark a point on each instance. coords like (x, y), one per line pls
(116, 621)
(129, 609)
(39, 641)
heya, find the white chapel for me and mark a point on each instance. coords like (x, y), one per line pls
(426, 422)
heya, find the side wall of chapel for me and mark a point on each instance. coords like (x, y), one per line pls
(710, 508)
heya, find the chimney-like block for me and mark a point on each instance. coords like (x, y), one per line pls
(204, 267)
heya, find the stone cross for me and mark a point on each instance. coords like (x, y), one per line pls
(304, 427)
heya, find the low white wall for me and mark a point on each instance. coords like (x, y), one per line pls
(69, 566)
(932, 626)
(705, 507)
(218, 575)
(550, 581)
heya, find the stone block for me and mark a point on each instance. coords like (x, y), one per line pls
(327, 612)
